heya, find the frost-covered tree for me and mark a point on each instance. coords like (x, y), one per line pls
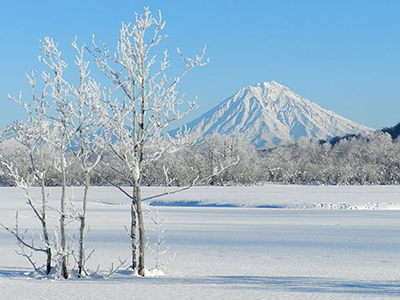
(68, 120)
(32, 137)
(58, 95)
(149, 103)
(87, 137)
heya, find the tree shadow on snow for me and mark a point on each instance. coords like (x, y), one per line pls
(11, 272)
(293, 284)
(267, 283)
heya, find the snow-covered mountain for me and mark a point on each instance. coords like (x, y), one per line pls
(271, 114)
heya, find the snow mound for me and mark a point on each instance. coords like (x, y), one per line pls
(153, 273)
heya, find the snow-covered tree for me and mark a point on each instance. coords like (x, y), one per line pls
(87, 137)
(32, 137)
(59, 95)
(149, 104)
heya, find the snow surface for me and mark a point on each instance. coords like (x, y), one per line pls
(271, 114)
(222, 252)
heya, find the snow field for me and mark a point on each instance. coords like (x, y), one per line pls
(229, 252)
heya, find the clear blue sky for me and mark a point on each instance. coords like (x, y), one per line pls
(342, 55)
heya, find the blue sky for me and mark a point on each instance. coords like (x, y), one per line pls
(342, 55)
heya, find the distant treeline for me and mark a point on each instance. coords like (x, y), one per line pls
(393, 131)
(348, 160)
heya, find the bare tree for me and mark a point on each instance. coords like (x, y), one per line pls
(88, 136)
(149, 104)
(160, 248)
(33, 136)
(60, 94)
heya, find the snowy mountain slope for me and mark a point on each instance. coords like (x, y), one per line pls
(270, 114)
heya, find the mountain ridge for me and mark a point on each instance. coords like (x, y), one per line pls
(270, 114)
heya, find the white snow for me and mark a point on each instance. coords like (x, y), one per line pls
(271, 114)
(223, 252)
(286, 196)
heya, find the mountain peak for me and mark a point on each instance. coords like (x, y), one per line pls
(270, 114)
(272, 85)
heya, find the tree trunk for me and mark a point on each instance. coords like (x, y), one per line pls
(142, 240)
(44, 226)
(133, 234)
(64, 267)
(82, 218)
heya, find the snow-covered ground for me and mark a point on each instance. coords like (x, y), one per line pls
(222, 252)
(286, 196)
